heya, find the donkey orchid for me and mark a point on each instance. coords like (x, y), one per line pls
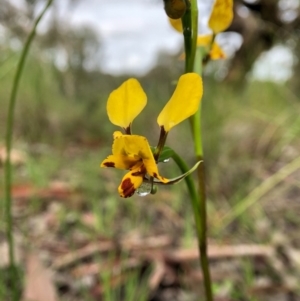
(133, 152)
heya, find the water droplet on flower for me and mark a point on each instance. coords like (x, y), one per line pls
(166, 160)
(144, 189)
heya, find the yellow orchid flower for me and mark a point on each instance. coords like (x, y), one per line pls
(132, 152)
(221, 15)
(215, 53)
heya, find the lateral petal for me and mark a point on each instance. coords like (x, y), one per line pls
(184, 101)
(119, 161)
(125, 103)
(152, 170)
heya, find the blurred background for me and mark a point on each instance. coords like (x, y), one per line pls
(76, 239)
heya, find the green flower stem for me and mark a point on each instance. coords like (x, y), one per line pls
(190, 186)
(8, 143)
(202, 189)
(190, 32)
(196, 119)
(206, 56)
(194, 63)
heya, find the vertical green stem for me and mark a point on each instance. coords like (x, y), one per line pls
(202, 190)
(7, 167)
(190, 31)
(194, 63)
(191, 189)
(196, 123)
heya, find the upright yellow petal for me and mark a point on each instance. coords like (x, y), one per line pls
(221, 16)
(125, 103)
(184, 101)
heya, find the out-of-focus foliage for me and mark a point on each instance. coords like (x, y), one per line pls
(263, 24)
(73, 81)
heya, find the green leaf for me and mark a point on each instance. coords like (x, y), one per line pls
(177, 179)
(165, 154)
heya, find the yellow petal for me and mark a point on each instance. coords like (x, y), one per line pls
(132, 146)
(125, 103)
(204, 40)
(184, 101)
(216, 51)
(136, 149)
(119, 161)
(117, 134)
(176, 24)
(131, 181)
(221, 16)
(152, 170)
(118, 144)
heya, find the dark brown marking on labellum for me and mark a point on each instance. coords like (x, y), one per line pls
(137, 173)
(109, 164)
(127, 188)
(140, 172)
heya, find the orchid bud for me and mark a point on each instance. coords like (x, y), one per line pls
(175, 9)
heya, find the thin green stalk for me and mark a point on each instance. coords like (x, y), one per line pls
(190, 32)
(197, 134)
(195, 64)
(8, 143)
(203, 234)
(190, 186)
(202, 190)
